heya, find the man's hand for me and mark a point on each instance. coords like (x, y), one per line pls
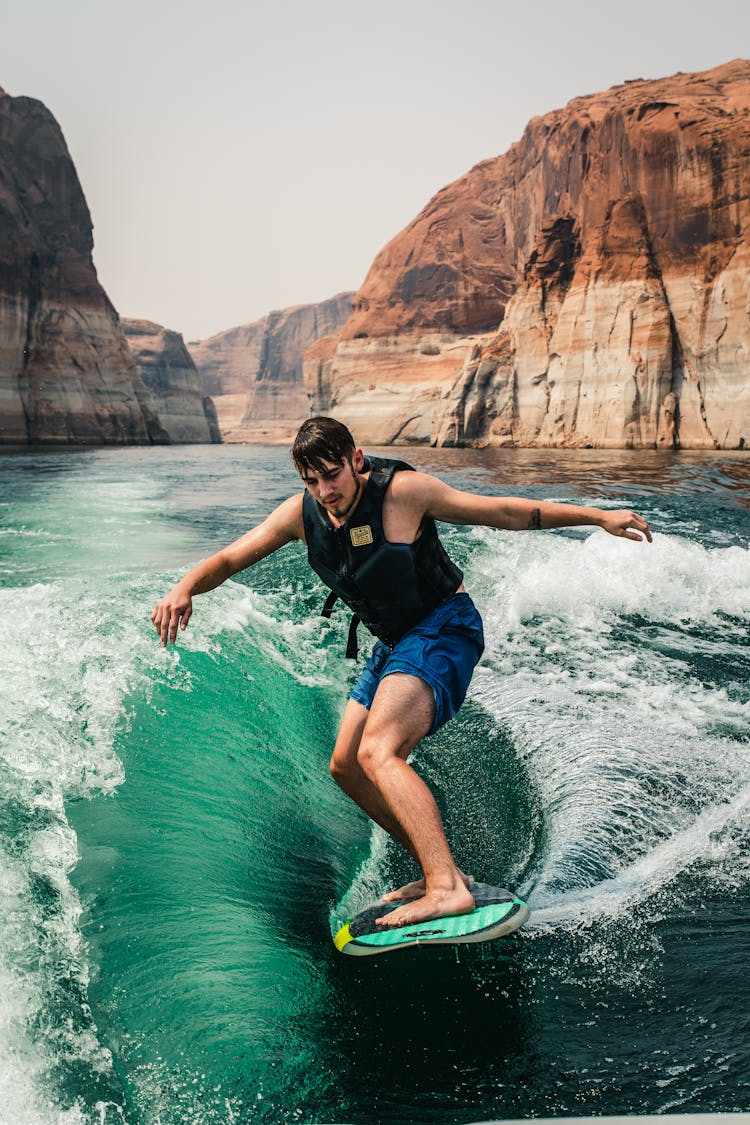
(172, 611)
(628, 525)
(284, 524)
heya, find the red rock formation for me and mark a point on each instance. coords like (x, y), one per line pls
(168, 371)
(66, 374)
(611, 245)
(253, 373)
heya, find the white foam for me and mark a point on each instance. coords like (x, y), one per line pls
(670, 579)
(636, 761)
(709, 840)
(68, 663)
(267, 626)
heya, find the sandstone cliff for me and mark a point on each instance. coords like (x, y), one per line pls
(253, 373)
(66, 374)
(589, 287)
(167, 369)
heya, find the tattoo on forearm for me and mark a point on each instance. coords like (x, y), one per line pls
(535, 523)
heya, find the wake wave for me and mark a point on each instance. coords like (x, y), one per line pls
(606, 665)
(72, 660)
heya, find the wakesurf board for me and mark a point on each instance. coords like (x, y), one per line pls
(497, 912)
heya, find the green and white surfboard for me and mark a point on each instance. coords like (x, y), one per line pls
(497, 912)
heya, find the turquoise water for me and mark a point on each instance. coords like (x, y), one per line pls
(173, 855)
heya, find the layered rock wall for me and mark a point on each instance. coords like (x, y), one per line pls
(593, 281)
(254, 374)
(167, 369)
(387, 389)
(66, 374)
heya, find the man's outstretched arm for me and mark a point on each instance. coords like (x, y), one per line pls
(513, 513)
(281, 527)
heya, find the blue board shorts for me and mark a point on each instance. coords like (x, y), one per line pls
(442, 650)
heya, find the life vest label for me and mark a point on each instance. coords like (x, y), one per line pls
(361, 536)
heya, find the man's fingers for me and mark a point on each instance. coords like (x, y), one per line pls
(168, 618)
(635, 527)
(637, 524)
(174, 621)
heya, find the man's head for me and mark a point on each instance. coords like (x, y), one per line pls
(322, 440)
(329, 462)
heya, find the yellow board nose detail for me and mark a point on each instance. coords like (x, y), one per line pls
(343, 937)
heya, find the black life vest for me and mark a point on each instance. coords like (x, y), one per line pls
(391, 587)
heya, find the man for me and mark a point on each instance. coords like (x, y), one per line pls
(370, 534)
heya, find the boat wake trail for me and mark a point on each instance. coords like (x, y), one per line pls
(619, 672)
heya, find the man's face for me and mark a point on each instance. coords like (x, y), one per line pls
(335, 487)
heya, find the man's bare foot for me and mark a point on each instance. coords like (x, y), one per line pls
(435, 904)
(417, 889)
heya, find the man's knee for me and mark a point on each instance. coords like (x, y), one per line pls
(367, 757)
(343, 765)
(350, 762)
(339, 767)
(376, 752)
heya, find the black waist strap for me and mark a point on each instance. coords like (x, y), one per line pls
(352, 648)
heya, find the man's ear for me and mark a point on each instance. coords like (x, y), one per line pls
(359, 460)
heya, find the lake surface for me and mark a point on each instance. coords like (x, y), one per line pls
(173, 854)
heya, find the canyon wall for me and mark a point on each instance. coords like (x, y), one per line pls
(590, 287)
(167, 369)
(254, 375)
(66, 374)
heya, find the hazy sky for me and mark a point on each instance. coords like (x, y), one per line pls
(239, 157)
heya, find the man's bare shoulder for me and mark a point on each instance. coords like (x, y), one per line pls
(426, 495)
(288, 516)
(415, 487)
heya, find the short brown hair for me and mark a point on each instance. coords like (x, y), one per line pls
(322, 439)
